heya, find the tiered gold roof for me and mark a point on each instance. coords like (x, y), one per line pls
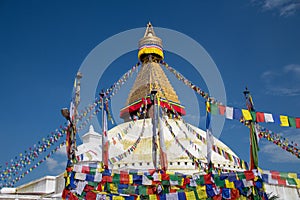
(151, 76)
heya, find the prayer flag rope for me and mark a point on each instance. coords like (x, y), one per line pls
(244, 115)
(237, 113)
(237, 161)
(21, 161)
(93, 182)
(11, 183)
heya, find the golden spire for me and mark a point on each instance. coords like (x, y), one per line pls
(150, 77)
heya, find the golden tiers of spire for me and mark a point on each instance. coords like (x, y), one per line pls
(150, 77)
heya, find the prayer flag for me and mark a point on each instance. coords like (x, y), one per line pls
(260, 117)
(284, 120)
(249, 175)
(226, 193)
(172, 196)
(254, 147)
(209, 138)
(222, 109)
(163, 149)
(268, 117)
(297, 122)
(276, 119)
(229, 113)
(146, 180)
(208, 179)
(246, 114)
(105, 144)
(253, 115)
(213, 109)
(201, 191)
(190, 195)
(237, 113)
(229, 184)
(292, 122)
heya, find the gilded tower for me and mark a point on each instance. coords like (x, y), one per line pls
(151, 77)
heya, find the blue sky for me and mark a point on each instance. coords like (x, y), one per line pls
(43, 44)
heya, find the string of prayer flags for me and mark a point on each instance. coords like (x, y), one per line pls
(235, 113)
(238, 114)
(26, 158)
(160, 184)
(283, 143)
(221, 152)
(18, 177)
(130, 149)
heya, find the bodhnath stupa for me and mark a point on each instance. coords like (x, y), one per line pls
(154, 153)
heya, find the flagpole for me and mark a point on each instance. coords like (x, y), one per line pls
(250, 106)
(103, 136)
(154, 124)
(74, 120)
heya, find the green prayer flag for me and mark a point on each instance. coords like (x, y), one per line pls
(142, 190)
(129, 190)
(165, 182)
(284, 175)
(292, 122)
(241, 175)
(93, 170)
(116, 178)
(173, 177)
(255, 148)
(219, 182)
(200, 180)
(94, 184)
(253, 114)
(291, 181)
(214, 109)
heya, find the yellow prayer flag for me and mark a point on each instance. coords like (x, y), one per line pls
(298, 182)
(118, 198)
(229, 184)
(242, 198)
(190, 195)
(292, 175)
(201, 191)
(180, 181)
(152, 197)
(113, 188)
(284, 120)
(246, 114)
(207, 106)
(68, 181)
(130, 179)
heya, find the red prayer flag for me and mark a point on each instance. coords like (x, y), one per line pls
(124, 178)
(275, 175)
(107, 179)
(208, 179)
(165, 177)
(260, 117)
(222, 109)
(217, 197)
(281, 181)
(90, 196)
(65, 193)
(235, 193)
(249, 175)
(85, 169)
(297, 122)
